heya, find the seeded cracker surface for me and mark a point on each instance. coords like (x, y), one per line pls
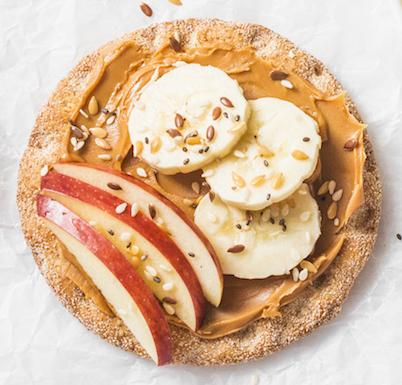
(319, 303)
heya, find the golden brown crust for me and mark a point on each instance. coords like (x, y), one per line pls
(318, 304)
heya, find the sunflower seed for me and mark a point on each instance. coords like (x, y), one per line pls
(99, 132)
(102, 143)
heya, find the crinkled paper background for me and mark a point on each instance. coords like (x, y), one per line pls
(361, 42)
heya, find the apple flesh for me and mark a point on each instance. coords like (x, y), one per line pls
(120, 284)
(97, 205)
(188, 237)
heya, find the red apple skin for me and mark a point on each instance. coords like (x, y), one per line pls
(85, 192)
(167, 202)
(118, 265)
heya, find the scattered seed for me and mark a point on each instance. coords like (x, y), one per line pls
(79, 145)
(110, 120)
(299, 155)
(336, 222)
(399, 236)
(102, 143)
(332, 209)
(121, 208)
(249, 217)
(258, 180)
(104, 110)
(350, 145)
(111, 232)
(303, 275)
(174, 44)
(125, 236)
(308, 265)
(195, 187)
(146, 9)
(93, 106)
(135, 261)
(173, 132)
(337, 195)
(238, 180)
(306, 139)
(144, 257)
(263, 151)
(114, 186)
(138, 147)
(282, 223)
(210, 133)
(236, 249)
(77, 132)
(212, 217)
(104, 156)
(169, 300)
(268, 197)
(157, 279)
(226, 102)
(278, 181)
(134, 249)
(295, 274)
(146, 140)
(152, 211)
(155, 144)
(216, 113)
(305, 216)
(287, 84)
(184, 149)
(191, 254)
(141, 172)
(211, 195)
(323, 189)
(331, 186)
(237, 118)
(179, 121)
(226, 115)
(151, 270)
(134, 210)
(238, 226)
(186, 161)
(165, 268)
(84, 114)
(206, 149)
(169, 308)
(266, 164)
(278, 75)
(193, 140)
(99, 132)
(167, 286)
(176, 2)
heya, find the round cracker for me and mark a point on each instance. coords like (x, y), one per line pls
(318, 304)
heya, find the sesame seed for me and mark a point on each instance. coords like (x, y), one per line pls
(157, 279)
(399, 236)
(134, 210)
(125, 236)
(287, 84)
(141, 172)
(111, 232)
(336, 222)
(44, 170)
(169, 308)
(121, 208)
(144, 257)
(190, 254)
(150, 270)
(167, 286)
(186, 161)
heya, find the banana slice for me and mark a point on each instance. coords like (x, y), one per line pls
(262, 243)
(187, 118)
(279, 151)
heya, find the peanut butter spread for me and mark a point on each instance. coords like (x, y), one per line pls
(118, 81)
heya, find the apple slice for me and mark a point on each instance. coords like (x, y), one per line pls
(93, 204)
(189, 238)
(123, 288)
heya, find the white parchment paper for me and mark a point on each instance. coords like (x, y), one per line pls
(361, 42)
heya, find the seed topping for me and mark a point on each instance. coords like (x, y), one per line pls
(258, 180)
(99, 132)
(278, 181)
(114, 186)
(216, 113)
(210, 133)
(323, 189)
(173, 132)
(299, 155)
(155, 144)
(236, 249)
(332, 209)
(141, 172)
(331, 186)
(121, 208)
(134, 210)
(179, 121)
(152, 211)
(287, 84)
(104, 156)
(238, 180)
(226, 102)
(102, 143)
(308, 265)
(186, 161)
(138, 147)
(146, 9)
(174, 44)
(169, 300)
(350, 145)
(337, 195)
(93, 106)
(278, 75)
